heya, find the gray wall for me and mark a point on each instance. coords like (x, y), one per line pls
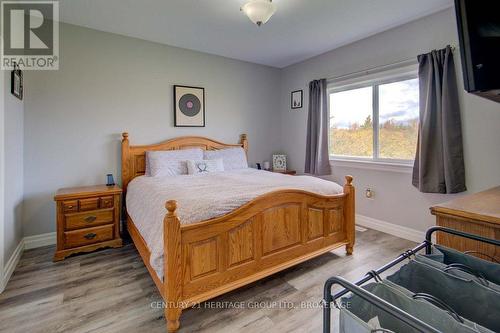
(2, 176)
(108, 84)
(396, 201)
(13, 163)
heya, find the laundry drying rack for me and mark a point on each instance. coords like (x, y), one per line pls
(366, 296)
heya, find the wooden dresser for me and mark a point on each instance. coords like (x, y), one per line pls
(478, 214)
(88, 218)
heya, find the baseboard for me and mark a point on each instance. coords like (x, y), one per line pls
(390, 228)
(11, 265)
(32, 242)
(26, 243)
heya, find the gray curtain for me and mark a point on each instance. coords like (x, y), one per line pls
(439, 161)
(317, 159)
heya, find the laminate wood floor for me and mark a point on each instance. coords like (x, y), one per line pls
(111, 291)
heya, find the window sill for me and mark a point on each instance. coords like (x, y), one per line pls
(372, 165)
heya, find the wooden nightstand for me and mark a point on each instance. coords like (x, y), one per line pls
(88, 218)
(287, 172)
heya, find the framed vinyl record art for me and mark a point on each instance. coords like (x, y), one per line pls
(189, 107)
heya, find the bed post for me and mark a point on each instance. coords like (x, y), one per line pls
(125, 161)
(172, 267)
(349, 213)
(244, 142)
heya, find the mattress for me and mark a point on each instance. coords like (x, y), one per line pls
(204, 196)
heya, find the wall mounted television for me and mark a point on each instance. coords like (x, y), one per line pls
(479, 35)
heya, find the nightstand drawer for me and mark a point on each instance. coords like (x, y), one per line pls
(70, 206)
(88, 236)
(88, 219)
(89, 204)
(107, 202)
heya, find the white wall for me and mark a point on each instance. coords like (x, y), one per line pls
(108, 84)
(13, 119)
(396, 201)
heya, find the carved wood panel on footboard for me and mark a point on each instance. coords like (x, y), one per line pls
(260, 239)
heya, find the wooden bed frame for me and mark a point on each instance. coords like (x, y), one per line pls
(270, 233)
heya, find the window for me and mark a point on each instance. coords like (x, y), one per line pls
(375, 120)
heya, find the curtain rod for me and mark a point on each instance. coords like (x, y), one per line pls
(408, 61)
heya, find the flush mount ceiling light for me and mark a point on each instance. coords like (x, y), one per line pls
(259, 11)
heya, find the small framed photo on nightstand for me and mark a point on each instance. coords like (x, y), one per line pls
(279, 162)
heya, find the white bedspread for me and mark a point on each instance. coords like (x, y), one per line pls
(204, 196)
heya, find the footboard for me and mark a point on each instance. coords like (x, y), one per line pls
(267, 235)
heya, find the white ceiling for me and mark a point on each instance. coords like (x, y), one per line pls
(300, 29)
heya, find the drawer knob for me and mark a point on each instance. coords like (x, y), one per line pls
(89, 219)
(90, 236)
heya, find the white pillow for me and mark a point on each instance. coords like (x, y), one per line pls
(204, 166)
(233, 158)
(170, 162)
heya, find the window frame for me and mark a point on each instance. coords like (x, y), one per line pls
(373, 80)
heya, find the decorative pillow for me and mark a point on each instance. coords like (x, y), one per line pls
(233, 158)
(170, 162)
(204, 166)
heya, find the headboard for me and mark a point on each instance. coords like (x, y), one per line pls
(134, 157)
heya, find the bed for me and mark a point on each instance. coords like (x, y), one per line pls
(206, 251)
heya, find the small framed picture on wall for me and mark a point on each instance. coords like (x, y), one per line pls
(189, 108)
(16, 82)
(296, 99)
